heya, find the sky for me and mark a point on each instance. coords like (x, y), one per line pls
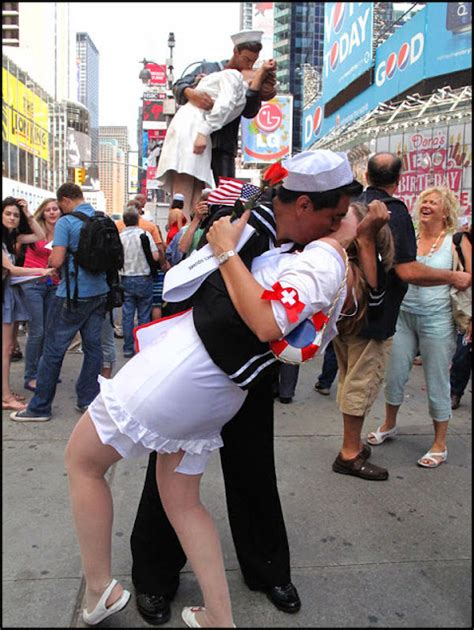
(126, 32)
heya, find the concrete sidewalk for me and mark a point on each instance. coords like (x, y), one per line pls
(364, 554)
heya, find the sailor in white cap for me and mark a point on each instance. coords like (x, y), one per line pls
(192, 375)
(247, 37)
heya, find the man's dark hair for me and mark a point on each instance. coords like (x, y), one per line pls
(69, 190)
(254, 47)
(177, 203)
(320, 200)
(384, 172)
(134, 204)
(130, 217)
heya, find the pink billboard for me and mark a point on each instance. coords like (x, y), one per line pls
(158, 73)
(436, 157)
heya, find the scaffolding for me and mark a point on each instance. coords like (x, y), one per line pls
(414, 111)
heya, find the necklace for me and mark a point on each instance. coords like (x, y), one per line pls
(433, 247)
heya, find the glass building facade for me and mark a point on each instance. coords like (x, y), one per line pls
(298, 48)
(88, 85)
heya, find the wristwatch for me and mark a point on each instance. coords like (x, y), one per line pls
(224, 257)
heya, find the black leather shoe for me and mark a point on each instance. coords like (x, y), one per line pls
(153, 608)
(285, 598)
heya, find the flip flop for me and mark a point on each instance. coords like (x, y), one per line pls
(18, 397)
(432, 456)
(378, 437)
(13, 405)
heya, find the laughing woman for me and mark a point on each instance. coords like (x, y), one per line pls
(426, 323)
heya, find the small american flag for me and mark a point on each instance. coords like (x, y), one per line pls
(229, 190)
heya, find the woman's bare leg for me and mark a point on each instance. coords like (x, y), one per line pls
(197, 192)
(198, 536)
(7, 348)
(87, 460)
(186, 185)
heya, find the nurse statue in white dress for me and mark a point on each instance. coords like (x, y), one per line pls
(187, 148)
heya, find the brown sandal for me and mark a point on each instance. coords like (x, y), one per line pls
(359, 467)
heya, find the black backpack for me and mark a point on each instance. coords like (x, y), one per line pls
(100, 249)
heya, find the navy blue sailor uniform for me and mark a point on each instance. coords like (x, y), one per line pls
(228, 340)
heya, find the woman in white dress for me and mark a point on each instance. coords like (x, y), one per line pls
(185, 159)
(172, 398)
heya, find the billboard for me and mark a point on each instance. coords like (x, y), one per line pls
(400, 61)
(152, 143)
(348, 28)
(153, 111)
(449, 37)
(267, 137)
(438, 156)
(158, 74)
(78, 148)
(25, 117)
(403, 60)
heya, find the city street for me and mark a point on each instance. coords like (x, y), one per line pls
(363, 554)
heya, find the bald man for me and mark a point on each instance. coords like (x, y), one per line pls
(374, 342)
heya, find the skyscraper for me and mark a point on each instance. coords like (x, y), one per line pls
(298, 49)
(112, 175)
(119, 136)
(36, 36)
(87, 68)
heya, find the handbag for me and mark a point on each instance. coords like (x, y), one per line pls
(152, 263)
(461, 301)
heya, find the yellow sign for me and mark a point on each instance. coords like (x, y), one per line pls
(79, 175)
(25, 117)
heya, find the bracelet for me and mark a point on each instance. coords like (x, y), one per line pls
(224, 257)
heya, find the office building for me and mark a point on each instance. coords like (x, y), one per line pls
(36, 36)
(120, 135)
(298, 50)
(112, 175)
(34, 143)
(87, 67)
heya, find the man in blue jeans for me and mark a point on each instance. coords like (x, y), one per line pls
(85, 317)
(136, 278)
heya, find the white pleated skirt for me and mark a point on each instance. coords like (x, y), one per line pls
(169, 397)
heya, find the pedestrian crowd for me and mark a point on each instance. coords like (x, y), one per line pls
(206, 312)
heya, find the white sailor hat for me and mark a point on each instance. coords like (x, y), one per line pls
(245, 37)
(317, 171)
(178, 197)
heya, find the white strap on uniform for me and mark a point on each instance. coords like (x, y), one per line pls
(185, 278)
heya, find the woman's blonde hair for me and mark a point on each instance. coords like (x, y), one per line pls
(39, 214)
(450, 203)
(385, 248)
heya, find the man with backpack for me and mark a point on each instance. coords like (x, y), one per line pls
(86, 249)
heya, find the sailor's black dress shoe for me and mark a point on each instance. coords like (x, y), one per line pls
(153, 608)
(285, 597)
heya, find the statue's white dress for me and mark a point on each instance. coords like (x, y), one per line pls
(227, 88)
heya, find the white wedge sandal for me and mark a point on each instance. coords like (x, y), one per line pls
(100, 612)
